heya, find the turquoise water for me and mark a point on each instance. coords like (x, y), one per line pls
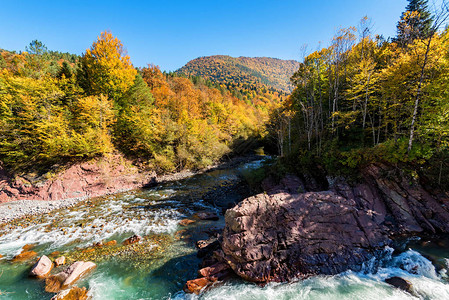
(158, 267)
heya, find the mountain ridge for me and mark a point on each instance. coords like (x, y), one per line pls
(243, 73)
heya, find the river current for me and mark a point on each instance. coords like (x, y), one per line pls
(160, 264)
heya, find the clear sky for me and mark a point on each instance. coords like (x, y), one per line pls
(170, 33)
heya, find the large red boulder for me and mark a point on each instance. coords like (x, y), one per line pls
(284, 236)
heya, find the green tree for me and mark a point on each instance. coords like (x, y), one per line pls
(65, 71)
(36, 59)
(36, 47)
(2, 61)
(415, 22)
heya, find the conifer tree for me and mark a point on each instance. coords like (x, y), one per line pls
(415, 22)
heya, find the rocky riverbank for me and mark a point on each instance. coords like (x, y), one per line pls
(288, 232)
(32, 195)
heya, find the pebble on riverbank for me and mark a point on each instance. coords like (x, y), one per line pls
(18, 209)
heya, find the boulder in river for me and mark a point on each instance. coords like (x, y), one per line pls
(283, 236)
(196, 285)
(400, 283)
(286, 234)
(68, 277)
(42, 267)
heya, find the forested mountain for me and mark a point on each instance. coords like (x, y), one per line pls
(244, 73)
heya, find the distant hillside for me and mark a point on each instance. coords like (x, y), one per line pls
(244, 73)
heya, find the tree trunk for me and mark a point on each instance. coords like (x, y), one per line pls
(418, 94)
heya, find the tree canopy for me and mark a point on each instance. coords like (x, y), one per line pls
(59, 108)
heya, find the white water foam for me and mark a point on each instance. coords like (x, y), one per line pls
(410, 265)
(112, 219)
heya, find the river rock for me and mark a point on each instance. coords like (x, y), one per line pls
(186, 222)
(207, 247)
(98, 245)
(196, 285)
(73, 293)
(283, 236)
(400, 283)
(132, 240)
(28, 247)
(110, 243)
(54, 254)
(204, 243)
(26, 255)
(96, 177)
(207, 216)
(42, 267)
(413, 208)
(60, 261)
(213, 270)
(68, 277)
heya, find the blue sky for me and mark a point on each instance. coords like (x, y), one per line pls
(170, 33)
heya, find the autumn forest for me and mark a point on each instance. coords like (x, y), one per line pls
(57, 107)
(364, 98)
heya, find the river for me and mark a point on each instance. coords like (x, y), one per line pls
(158, 266)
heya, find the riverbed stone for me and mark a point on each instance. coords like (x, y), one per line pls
(206, 248)
(60, 261)
(24, 256)
(69, 276)
(110, 243)
(75, 293)
(28, 247)
(42, 267)
(186, 222)
(196, 285)
(132, 240)
(205, 215)
(54, 254)
(213, 270)
(400, 283)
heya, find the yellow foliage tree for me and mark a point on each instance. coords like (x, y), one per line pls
(106, 69)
